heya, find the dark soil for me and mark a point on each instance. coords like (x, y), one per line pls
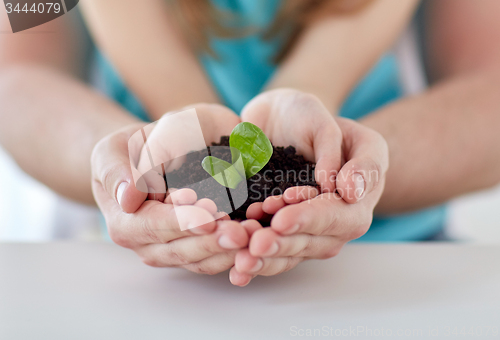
(285, 169)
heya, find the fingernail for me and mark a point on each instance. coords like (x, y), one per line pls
(272, 250)
(258, 266)
(226, 243)
(359, 185)
(120, 191)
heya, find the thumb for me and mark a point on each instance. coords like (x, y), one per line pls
(112, 169)
(367, 161)
(327, 142)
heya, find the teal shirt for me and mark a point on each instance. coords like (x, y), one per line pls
(242, 68)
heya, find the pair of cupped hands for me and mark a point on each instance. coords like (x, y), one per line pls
(306, 223)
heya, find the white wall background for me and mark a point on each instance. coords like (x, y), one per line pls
(30, 212)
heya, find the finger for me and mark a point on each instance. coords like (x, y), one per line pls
(272, 204)
(279, 265)
(156, 222)
(207, 204)
(213, 265)
(216, 120)
(251, 226)
(327, 214)
(141, 161)
(267, 243)
(155, 183)
(292, 195)
(327, 141)
(184, 196)
(367, 161)
(193, 218)
(239, 279)
(255, 212)
(221, 216)
(296, 195)
(228, 236)
(111, 169)
(245, 263)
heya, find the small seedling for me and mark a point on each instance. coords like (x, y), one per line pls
(254, 148)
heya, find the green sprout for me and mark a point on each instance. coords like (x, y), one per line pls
(255, 151)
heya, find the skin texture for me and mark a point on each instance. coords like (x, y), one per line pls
(316, 133)
(454, 125)
(317, 64)
(153, 228)
(455, 121)
(153, 66)
(37, 65)
(308, 224)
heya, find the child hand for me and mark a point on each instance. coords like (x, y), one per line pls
(308, 224)
(151, 228)
(291, 117)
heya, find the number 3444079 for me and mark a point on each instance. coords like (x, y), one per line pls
(48, 7)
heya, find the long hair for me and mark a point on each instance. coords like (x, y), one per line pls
(199, 20)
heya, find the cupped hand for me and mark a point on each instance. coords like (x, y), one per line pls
(291, 117)
(172, 137)
(307, 223)
(152, 228)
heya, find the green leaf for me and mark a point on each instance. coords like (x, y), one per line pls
(223, 172)
(255, 148)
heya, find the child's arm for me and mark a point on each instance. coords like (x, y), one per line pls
(333, 54)
(149, 53)
(328, 60)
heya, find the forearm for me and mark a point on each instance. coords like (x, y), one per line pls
(333, 54)
(50, 123)
(442, 144)
(149, 53)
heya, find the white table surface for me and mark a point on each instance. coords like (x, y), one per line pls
(100, 291)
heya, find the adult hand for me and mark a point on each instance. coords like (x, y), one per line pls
(150, 227)
(308, 224)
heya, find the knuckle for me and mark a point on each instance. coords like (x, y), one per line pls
(175, 257)
(304, 102)
(98, 150)
(362, 227)
(306, 98)
(375, 172)
(380, 141)
(207, 248)
(330, 226)
(119, 237)
(146, 229)
(308, 248)
(151, 261)
(329, 253)
(290, 263)
(279, 267)
(107, 176)
(203, 268)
